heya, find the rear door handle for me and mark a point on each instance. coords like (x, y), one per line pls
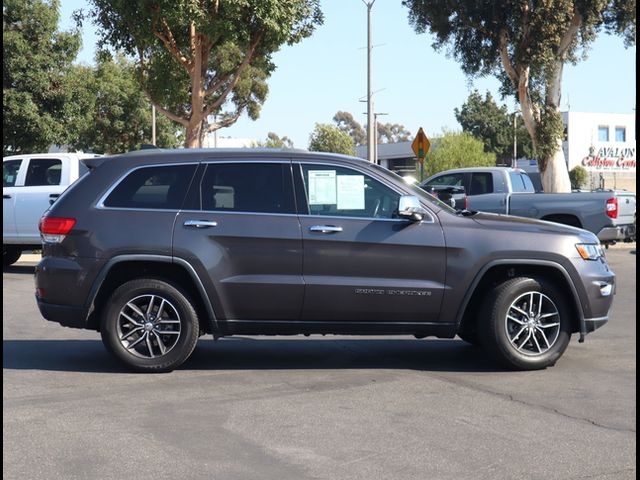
(325, 229)
(53, 197)
(200, 223)
(6, 196)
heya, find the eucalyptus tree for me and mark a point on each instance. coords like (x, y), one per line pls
(526, 44)
(203, 58)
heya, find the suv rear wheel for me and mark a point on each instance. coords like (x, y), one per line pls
(527, 324)
(150, 325)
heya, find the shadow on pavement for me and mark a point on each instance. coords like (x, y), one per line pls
(23, 269)
(240, 353)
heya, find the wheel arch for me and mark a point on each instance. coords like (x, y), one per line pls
(128, 267)
(564, 219)
(499, 270)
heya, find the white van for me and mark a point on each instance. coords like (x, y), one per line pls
(30, 183)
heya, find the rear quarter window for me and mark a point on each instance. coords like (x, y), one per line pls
(152, 188)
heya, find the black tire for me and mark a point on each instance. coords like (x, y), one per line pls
(497, 332)
(138, 339)
(10, 255)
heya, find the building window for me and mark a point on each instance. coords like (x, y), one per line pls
(603, 133)
(621, 134)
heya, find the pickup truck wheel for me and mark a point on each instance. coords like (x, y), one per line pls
(150, 325)
(10, 255)
(527, 324)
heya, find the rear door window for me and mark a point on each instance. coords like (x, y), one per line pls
(481, 183)
(248, 187)
(10, 170)
(162, 187)
(43, 172)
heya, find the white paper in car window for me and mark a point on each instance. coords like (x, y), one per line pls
(322, 187)
(350, 192)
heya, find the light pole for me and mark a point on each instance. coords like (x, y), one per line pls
(375, 136)
(371, 140)
(153, 125)
(514, 162)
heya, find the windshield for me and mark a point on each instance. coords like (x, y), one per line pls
(417, 191)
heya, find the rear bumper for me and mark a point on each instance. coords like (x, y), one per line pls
(63, 286)
(618, 233)
(65, 315)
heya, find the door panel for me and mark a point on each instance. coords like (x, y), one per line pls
(43, 183)
(252, 263)
(361, 264)
(485, 195)
(245, 242)
(373, 270)
(10, 172)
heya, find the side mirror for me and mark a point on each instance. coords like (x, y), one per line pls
(409, 207)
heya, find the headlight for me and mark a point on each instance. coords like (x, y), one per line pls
(590, 251)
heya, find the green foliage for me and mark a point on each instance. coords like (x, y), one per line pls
(198, 57)
(275, 141)
(387, 132)
(456, 150)
(392, 133)
(549, 131)
(493, 124)
(579, 177)
(112, 114)
(524, 44)
(328, 138)
(35, 59)
(349, 125)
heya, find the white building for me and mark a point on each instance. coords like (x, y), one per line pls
(210, 141)
(604, 144)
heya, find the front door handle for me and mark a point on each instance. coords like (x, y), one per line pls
(6, 196)
(200, 223)
(325, 229)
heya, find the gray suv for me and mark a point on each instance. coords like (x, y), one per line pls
(156, 248)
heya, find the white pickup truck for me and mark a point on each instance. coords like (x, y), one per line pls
(30, 183)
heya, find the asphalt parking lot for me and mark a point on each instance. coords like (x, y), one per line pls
(317, 408)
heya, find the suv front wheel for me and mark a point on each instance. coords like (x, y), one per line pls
(527, 323)
(150, 325)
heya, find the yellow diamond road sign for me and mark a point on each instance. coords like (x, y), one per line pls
(421, 145)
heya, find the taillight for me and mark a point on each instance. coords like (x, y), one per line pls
(612, 208)
(54, 229)
(466, 201)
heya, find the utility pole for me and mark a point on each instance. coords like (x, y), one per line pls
(153, 125)
(371, 139)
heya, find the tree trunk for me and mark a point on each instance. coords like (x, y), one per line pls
(192, 135)
(555, 177)
(554, 172)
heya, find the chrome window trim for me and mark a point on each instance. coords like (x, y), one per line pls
(385, 182)
(100, 203)
(216, 212)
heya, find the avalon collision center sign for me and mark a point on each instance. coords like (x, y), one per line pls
(620, 159)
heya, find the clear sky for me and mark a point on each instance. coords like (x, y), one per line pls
(415, 85)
